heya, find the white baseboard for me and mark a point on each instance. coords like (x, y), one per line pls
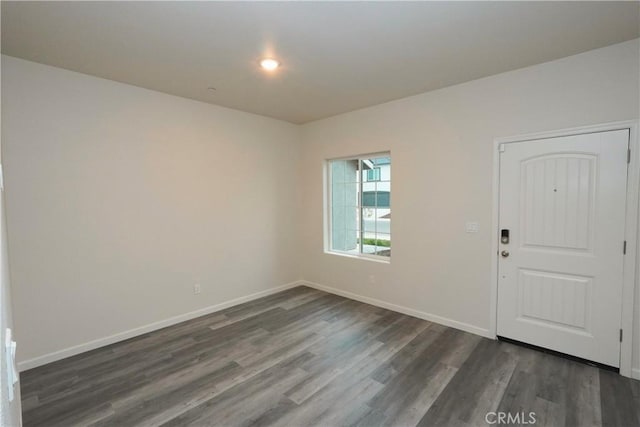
(121, 336)
(404, 310)
(101, 342)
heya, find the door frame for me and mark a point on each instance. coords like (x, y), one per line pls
(629, 296)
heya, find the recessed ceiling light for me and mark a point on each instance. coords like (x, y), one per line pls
(211, 88)
(269, 64)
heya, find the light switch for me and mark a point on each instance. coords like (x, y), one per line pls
(471, 227)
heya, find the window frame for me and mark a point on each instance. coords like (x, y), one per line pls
(327, 208)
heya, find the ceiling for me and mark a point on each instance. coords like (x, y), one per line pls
(336, 56)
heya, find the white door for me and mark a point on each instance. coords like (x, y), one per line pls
(562, 201)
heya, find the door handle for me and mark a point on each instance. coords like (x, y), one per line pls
(504, 254)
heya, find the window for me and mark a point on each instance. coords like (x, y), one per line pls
(360, 206)
(373, 174)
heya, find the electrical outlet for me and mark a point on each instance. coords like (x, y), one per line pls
(196, 288)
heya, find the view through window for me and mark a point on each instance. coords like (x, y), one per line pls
(360, 205)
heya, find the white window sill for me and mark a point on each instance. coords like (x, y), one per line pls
(372, 258)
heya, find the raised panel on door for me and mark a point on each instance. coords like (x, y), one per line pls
(561, 301)
(557, 198)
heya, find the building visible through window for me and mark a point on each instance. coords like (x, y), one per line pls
(360, 206)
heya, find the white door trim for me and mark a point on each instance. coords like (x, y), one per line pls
(631, 228)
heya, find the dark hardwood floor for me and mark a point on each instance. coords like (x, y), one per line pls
(303, 357)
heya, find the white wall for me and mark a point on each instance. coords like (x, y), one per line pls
(115, 206)
(441, 146)
(119, 199)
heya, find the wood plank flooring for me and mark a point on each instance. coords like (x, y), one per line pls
(304, 357)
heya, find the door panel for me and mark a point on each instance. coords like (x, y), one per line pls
(563, 202)
(558, 193)
(558, 300)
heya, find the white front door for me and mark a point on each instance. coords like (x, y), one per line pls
(562, 201)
